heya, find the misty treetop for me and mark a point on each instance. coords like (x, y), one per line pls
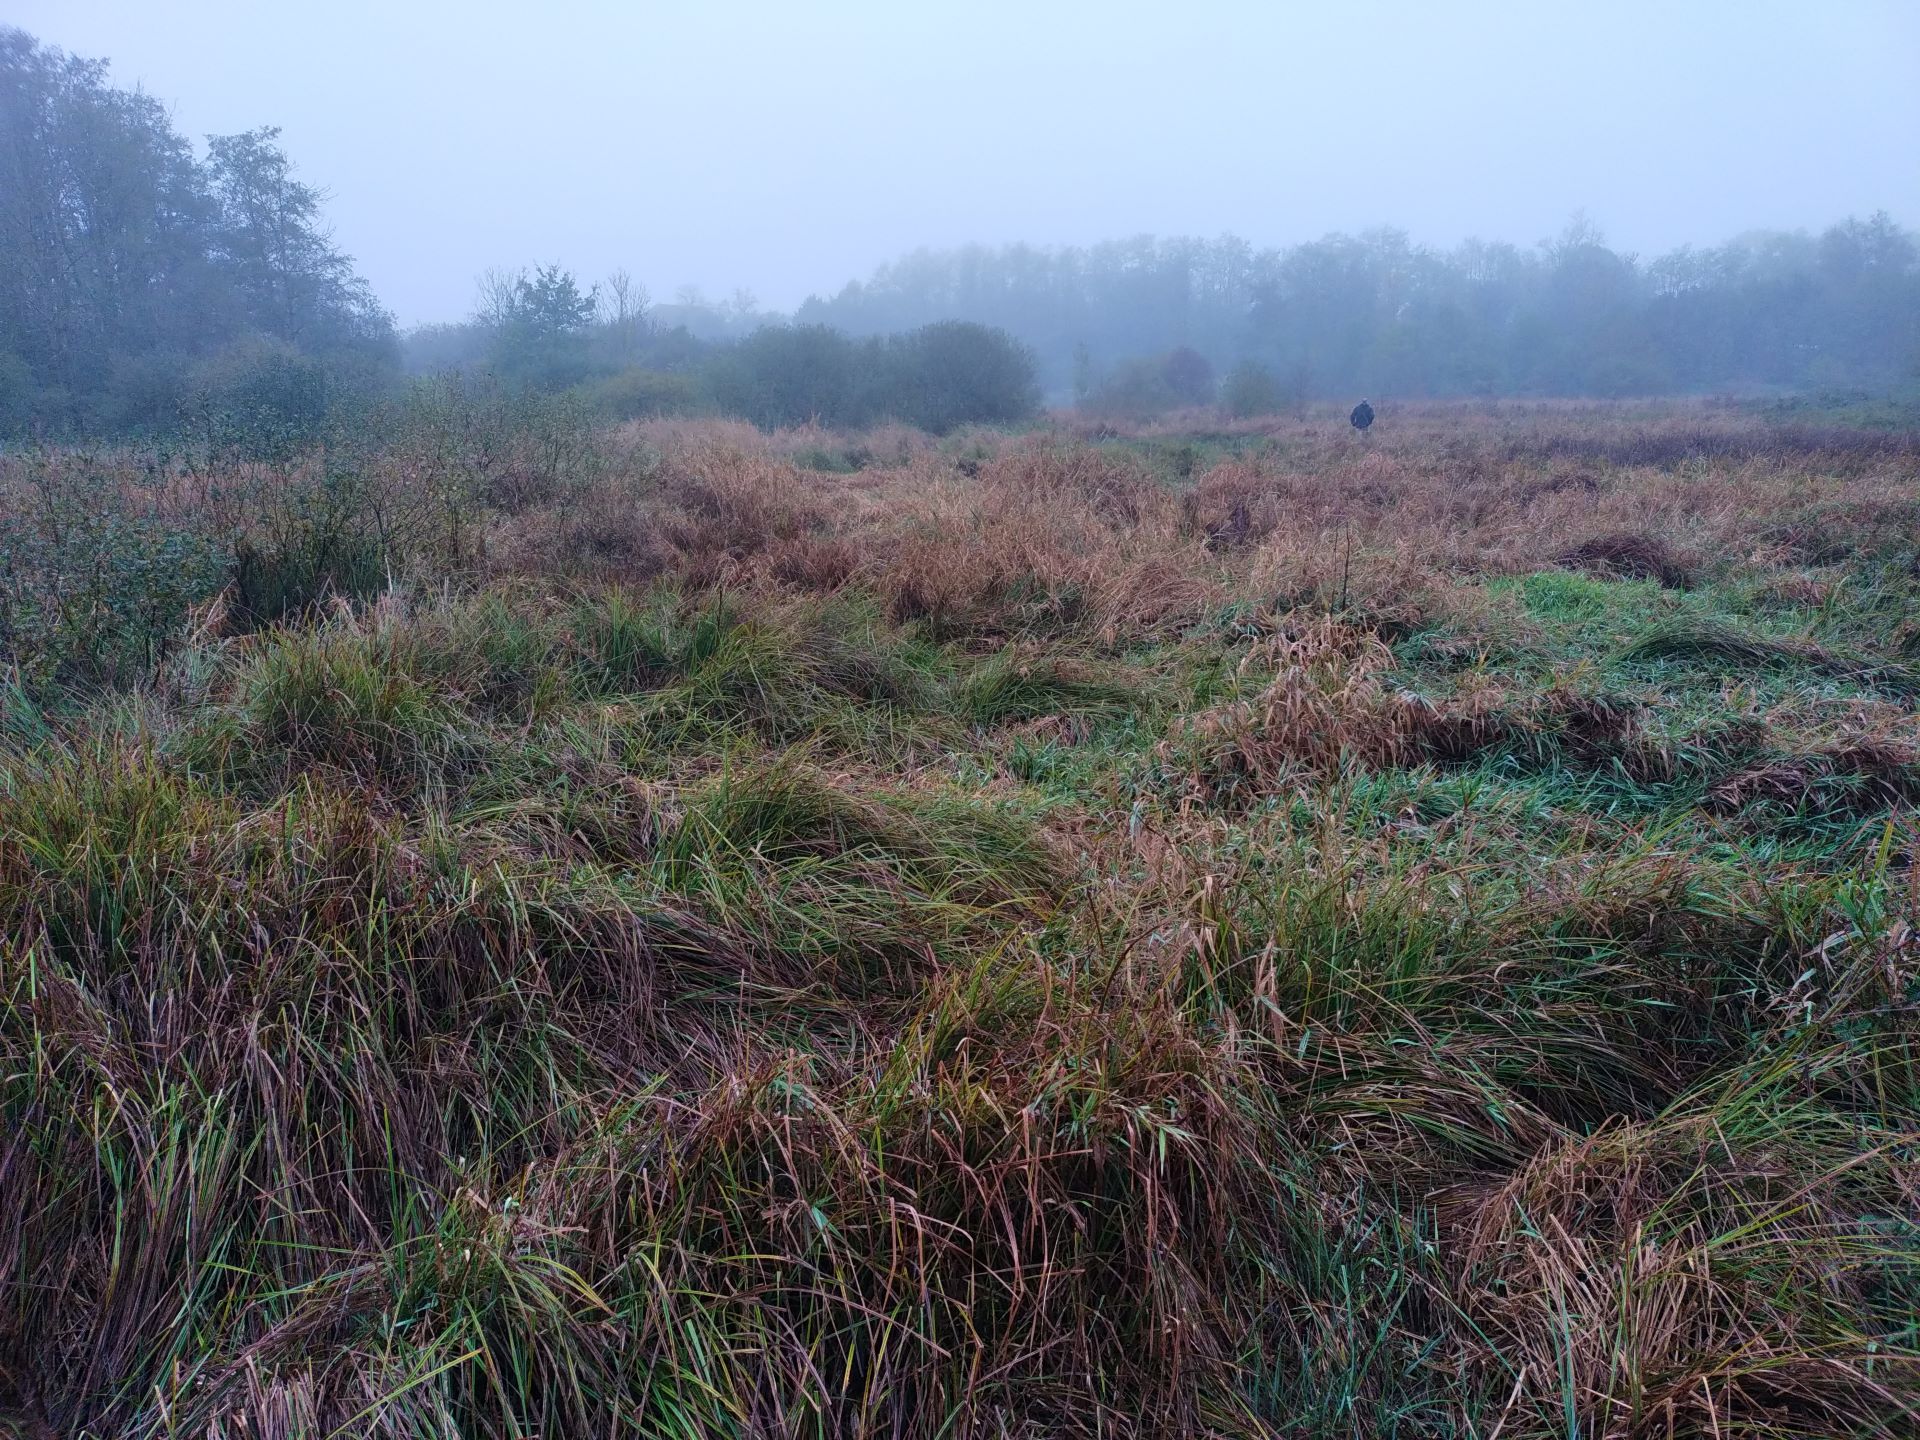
(542, 330)
(1377, 313)
(134, 266)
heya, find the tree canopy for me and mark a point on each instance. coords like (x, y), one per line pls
(130, 259)
(1376, 312)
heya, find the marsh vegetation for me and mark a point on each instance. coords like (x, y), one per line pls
(686, 930)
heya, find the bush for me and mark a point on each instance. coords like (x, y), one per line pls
(937, 377)
(955, 373)
(1136, 391)
(1188, 375)
(640, 394)
(94, 584)
(144, 395)
(311, 535)
(473, 441)
(789, 375)
(258, 399)
(1251, 389)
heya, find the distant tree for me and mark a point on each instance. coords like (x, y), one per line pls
(123, 258)
(638, 394)
(494, 295)
(1082, 372)
(105, 223)
(937, 377)
(293, 281)
(1188, 375)
(1251, 389)
(788, 375)
(540, 321)
(1136, 389)
(956, 373)
(624, 304)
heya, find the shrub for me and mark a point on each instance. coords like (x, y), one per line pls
(95, 581)
(1251, 390)
(146, 395)
(1137, 390)
(1188, 376)
(954, 373)
(258, 399)
(938, 377)
(789, 375)
(639, 394)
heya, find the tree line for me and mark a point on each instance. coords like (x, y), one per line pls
(540, 330)
(147, 286)
(1148, 321)
(140, 279)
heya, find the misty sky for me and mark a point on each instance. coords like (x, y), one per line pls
(789, 147)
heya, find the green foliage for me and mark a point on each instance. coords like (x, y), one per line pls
(1135, 390)
(95, 583)
(540, 323)
(259, 399)
(1251, 389)
(639, 394)
(313, 534)
(128, 259)
(938, 377)
(952, 373)
(1188, 376)
(789, 375)
(478, 442)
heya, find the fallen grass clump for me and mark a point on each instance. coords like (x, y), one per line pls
(1330, 707)
(1138, 934)
(1638, 557)
(1736, 651)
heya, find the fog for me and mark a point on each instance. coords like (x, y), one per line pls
(786, 149)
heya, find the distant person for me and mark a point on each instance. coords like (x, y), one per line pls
(1362, 416)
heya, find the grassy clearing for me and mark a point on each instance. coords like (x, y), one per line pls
(1230, 935)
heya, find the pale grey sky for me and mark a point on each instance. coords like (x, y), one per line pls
(789, 147)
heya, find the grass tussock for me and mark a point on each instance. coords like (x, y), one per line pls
(1132, 933)
(1637, 557)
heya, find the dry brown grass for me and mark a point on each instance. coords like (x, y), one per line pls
(1044, 532)
(1007, 936)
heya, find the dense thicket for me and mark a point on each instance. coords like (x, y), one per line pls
(540, 330)
(1377, 313)
(142, 281)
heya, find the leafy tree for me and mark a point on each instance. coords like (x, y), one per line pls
(1354, 314)
(541, 325)
(955, 373)
(1251, 389)
(788, 375)
(1188, 375)
(293, 283)
(123, 256)
(104, 221)
(1136, 389)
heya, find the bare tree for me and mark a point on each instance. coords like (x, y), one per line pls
(497, 293)
(624, 304)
